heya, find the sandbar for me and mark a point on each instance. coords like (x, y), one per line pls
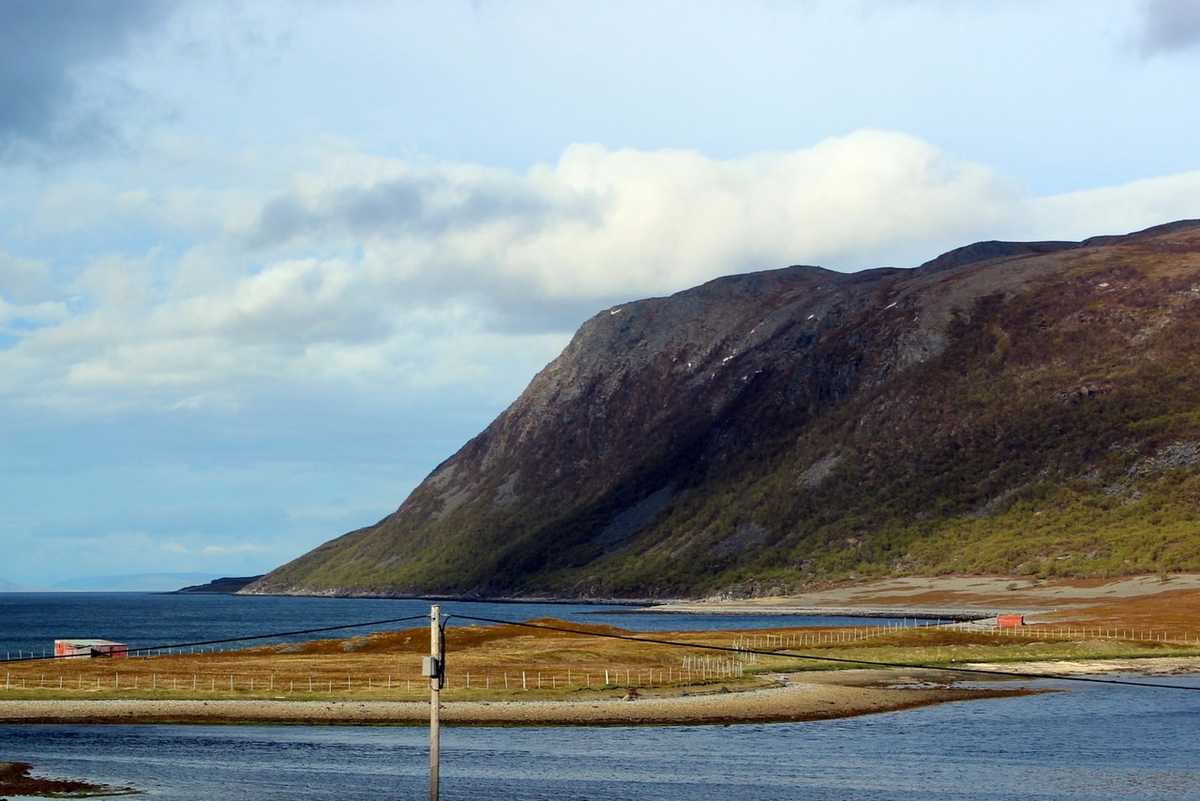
(793, 698)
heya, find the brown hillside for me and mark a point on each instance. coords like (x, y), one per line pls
(1020, 408)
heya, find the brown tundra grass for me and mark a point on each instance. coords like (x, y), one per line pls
(523, 662)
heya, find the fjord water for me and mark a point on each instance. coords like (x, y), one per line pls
(1089, 741)
(30, 622)
(1096, 742)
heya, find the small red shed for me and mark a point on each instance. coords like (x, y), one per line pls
(1010, 621)
(90, 648)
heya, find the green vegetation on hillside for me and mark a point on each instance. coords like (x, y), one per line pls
(1038, 443)
(1054, 430)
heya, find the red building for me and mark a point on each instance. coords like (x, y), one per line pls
(90, 648)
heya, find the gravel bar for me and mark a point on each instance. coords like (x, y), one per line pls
(844, 694)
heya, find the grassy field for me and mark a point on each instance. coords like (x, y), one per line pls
(526, 663)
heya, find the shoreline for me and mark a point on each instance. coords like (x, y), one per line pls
(794, 697)
(892, 613)
(791, 701)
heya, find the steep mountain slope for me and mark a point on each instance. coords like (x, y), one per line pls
(1006, 407)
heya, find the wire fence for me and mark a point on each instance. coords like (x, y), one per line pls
(843, 636)
(713, 663)
(694, 670)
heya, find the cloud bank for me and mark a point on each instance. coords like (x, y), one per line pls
(264, 264)
(52, 94)
(370, 271)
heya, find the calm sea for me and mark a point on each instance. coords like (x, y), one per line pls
(1090, 741)
(31, 622)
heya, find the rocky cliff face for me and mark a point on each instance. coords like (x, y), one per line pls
(767, 430)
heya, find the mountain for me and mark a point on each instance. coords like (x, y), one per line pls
(1024, 408)
(226, 585)
(133, 582)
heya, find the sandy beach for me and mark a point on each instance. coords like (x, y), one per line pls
(795, 697)
(791, 701)
(954, 597)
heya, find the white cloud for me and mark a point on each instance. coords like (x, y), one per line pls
(1116, 209)
(234, 234)
(211, 550)
(603, 225)
(24, 280)
(672, 219)
(19, 319)
(377, 273)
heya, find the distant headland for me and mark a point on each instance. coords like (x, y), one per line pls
(222, 586)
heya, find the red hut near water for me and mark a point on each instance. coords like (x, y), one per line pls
(1007, 621)
(90, 648)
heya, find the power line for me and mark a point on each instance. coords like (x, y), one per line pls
(671, 643)
(841, 660)
(249, 638)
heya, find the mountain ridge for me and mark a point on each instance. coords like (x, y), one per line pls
(764, 431)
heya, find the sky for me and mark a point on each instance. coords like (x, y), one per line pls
(265, 264)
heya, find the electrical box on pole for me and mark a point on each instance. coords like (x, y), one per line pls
(430, 667)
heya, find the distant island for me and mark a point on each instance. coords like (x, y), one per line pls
(222, 586)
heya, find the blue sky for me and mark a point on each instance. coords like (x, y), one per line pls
(263, 265)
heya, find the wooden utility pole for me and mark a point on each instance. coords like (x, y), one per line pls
(433, 669)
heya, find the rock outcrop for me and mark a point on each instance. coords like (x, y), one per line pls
(768, 430)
